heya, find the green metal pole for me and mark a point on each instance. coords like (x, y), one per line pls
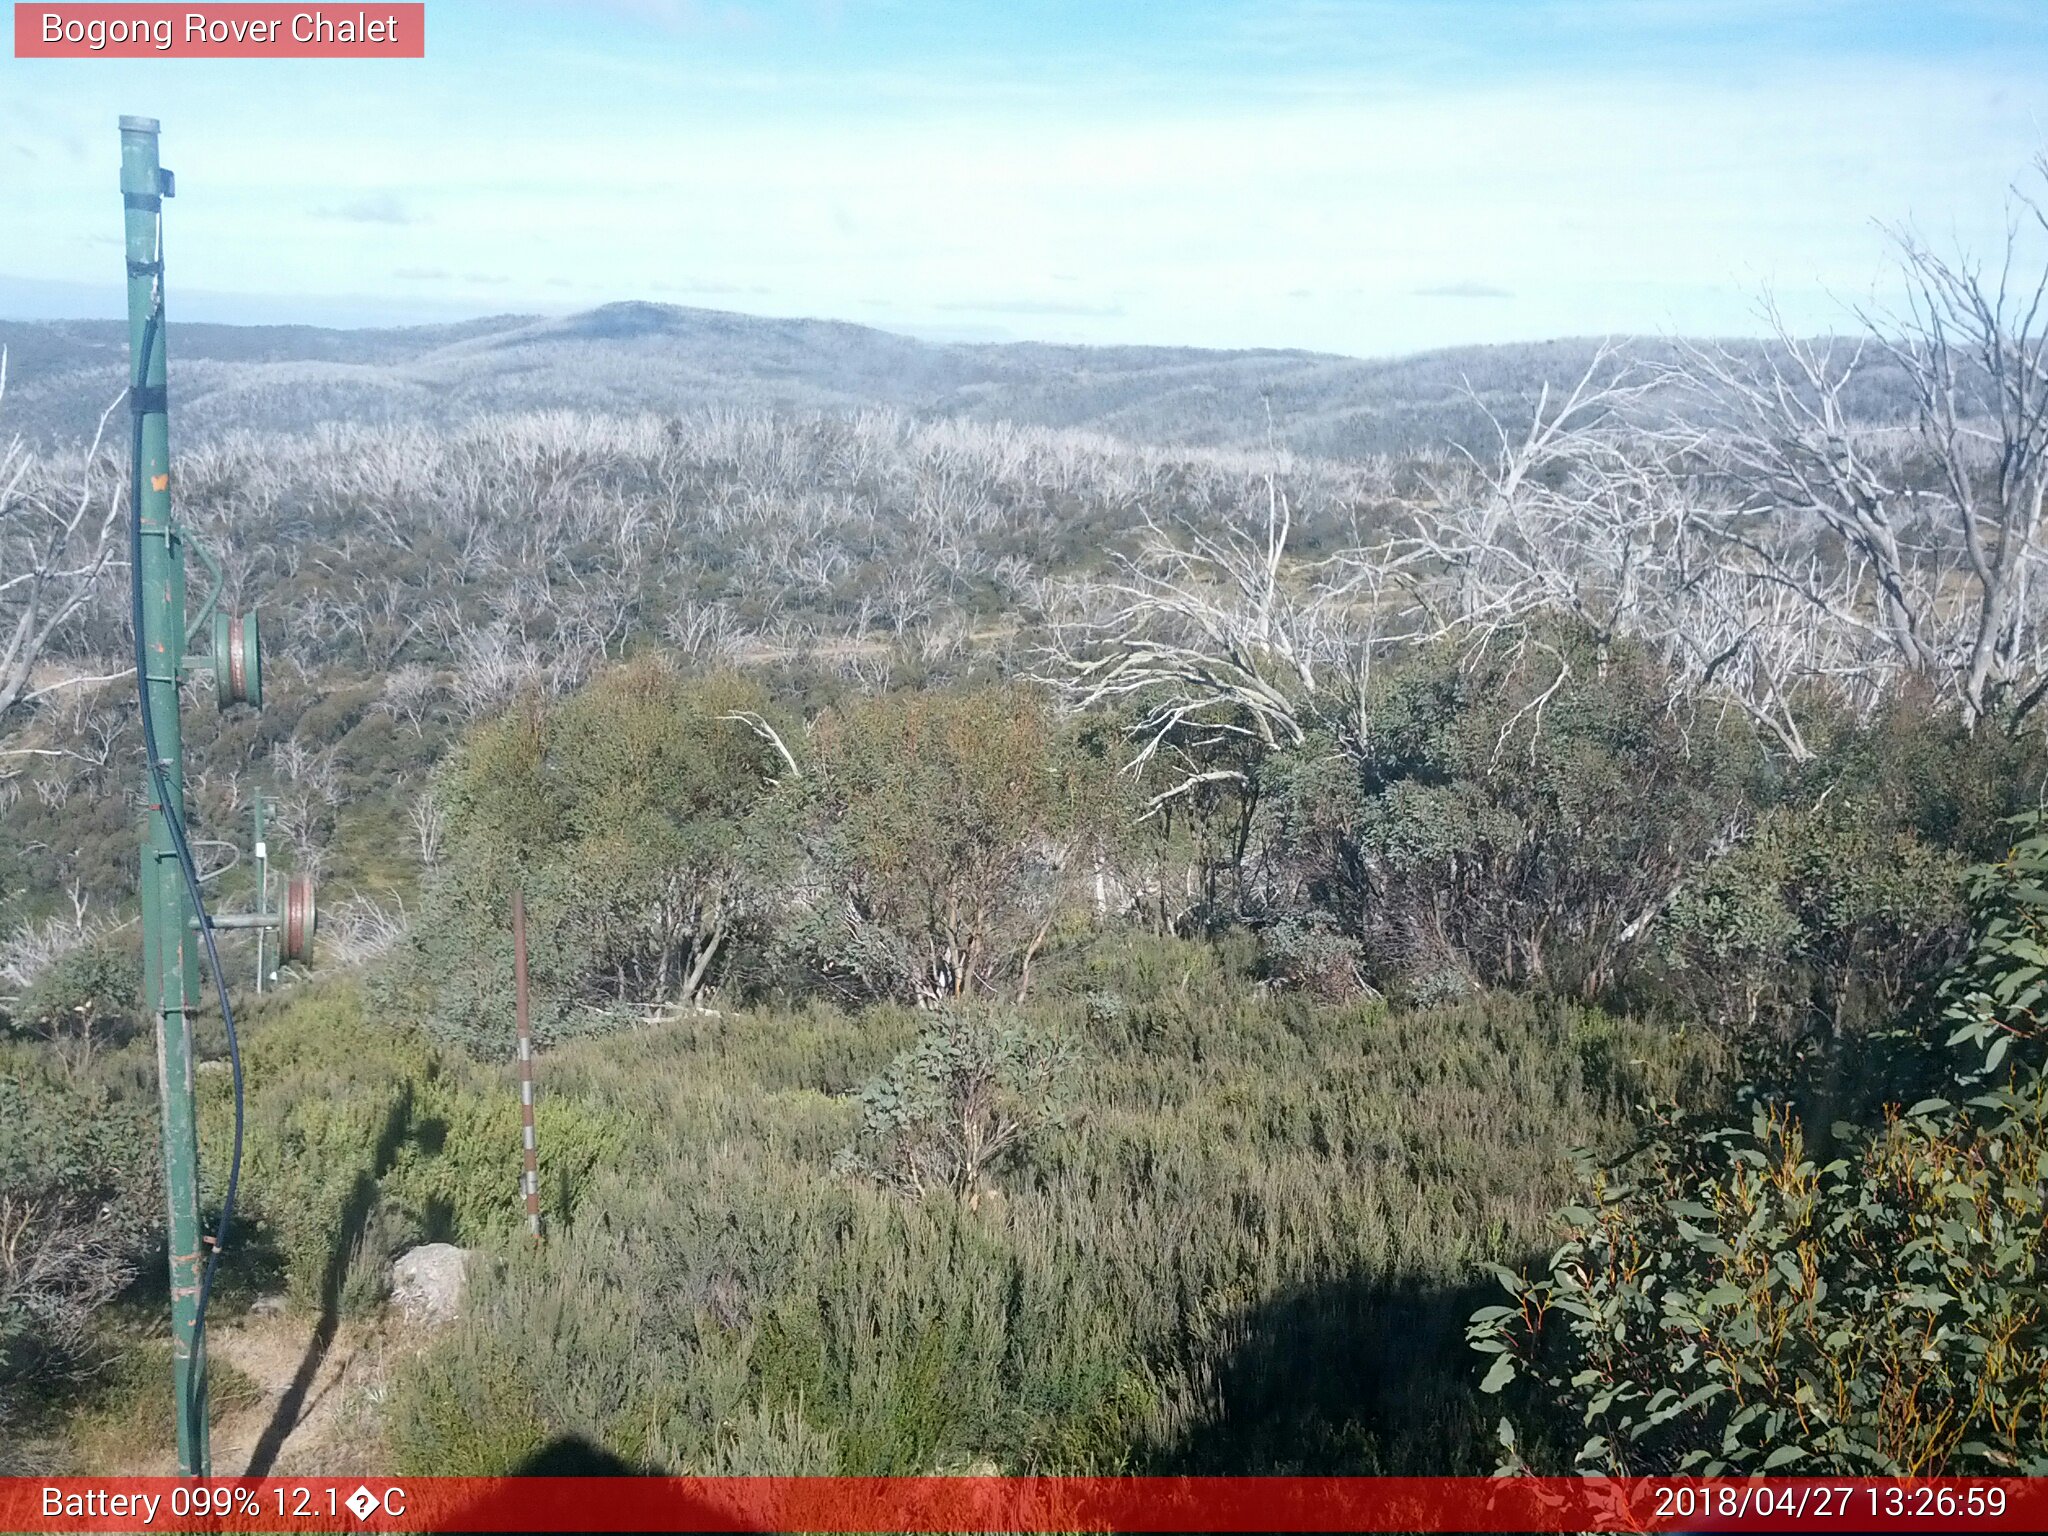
(170, 953)
(262, 850)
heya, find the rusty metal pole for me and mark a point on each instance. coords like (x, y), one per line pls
(530, 1184)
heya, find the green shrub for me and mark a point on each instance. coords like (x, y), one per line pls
(952, 837)
(330, 1101)
(460, 1172)
(967, 1100)
(1820, 926)
(77, 1192)
(478, 1420)
(89, 996)
(362, 1140)
(638, 819)
(1515, 819)
(1727, 1303)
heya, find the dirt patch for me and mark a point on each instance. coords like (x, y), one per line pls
(322, 1408)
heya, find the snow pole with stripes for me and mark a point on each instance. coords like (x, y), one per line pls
(530, 1183)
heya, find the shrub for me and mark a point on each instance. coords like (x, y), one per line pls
(88, 995)
(459, 1173)
(637, 817)
(332, 1099)
(1727, 1303)
(1244, 1247)
(962, 1103)
(1820, 926)
(363, 1139)
(481, 1420)
(953, 834)
(1498, 820)
(77, 1188)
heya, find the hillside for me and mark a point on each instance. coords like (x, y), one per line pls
(636, 357)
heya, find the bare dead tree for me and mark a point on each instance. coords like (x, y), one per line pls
(1767, 650)
(1941, 525)
(429, 826)
(309, 787)
(1574, 516)
(1213, 636)
(358, 929)
(57, 544)
(761, 727)
(409, 693)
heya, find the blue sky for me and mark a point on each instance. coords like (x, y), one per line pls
(1360, 176)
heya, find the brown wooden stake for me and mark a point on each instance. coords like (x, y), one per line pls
(531, 1183)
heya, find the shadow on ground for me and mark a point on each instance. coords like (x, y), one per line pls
(1352, 1378)
(355, 1216)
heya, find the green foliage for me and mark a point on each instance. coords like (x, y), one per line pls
(459, 1171)
(330, 1101)
(1820, 927)
(77, 1190)
(84, 1001)
(481, 1421)
(1241, 1237)
(1996, 999)
(363, 1139)
(966, 1100)
(1243, 1247)
(1512, 819)
(1727, 1303)
(92, 988)
(1845, 901)
(638, 818)
(954, 834)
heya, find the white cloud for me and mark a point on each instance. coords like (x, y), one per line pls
(1587, 203)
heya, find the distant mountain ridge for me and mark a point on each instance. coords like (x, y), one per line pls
(635, 357)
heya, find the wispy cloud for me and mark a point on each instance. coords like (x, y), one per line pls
(1463, 291)
(375, 208)
(1029, 307)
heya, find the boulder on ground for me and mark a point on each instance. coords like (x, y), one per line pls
(427, 1282)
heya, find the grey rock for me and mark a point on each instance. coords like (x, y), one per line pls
(427, 1283)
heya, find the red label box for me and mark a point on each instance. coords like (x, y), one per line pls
(240, 31)
(1023, 1504)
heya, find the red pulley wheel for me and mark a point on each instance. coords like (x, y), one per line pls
(301, 917)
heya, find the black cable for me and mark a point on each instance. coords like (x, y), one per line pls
(172, 819)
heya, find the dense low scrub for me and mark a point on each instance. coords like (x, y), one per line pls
(1244, 1244)
(77, 1194)
(363, 1140)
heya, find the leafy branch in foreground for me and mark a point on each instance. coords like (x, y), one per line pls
(1724, 1302)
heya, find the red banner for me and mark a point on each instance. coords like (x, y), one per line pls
(1022, 1504)
(373, 31)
